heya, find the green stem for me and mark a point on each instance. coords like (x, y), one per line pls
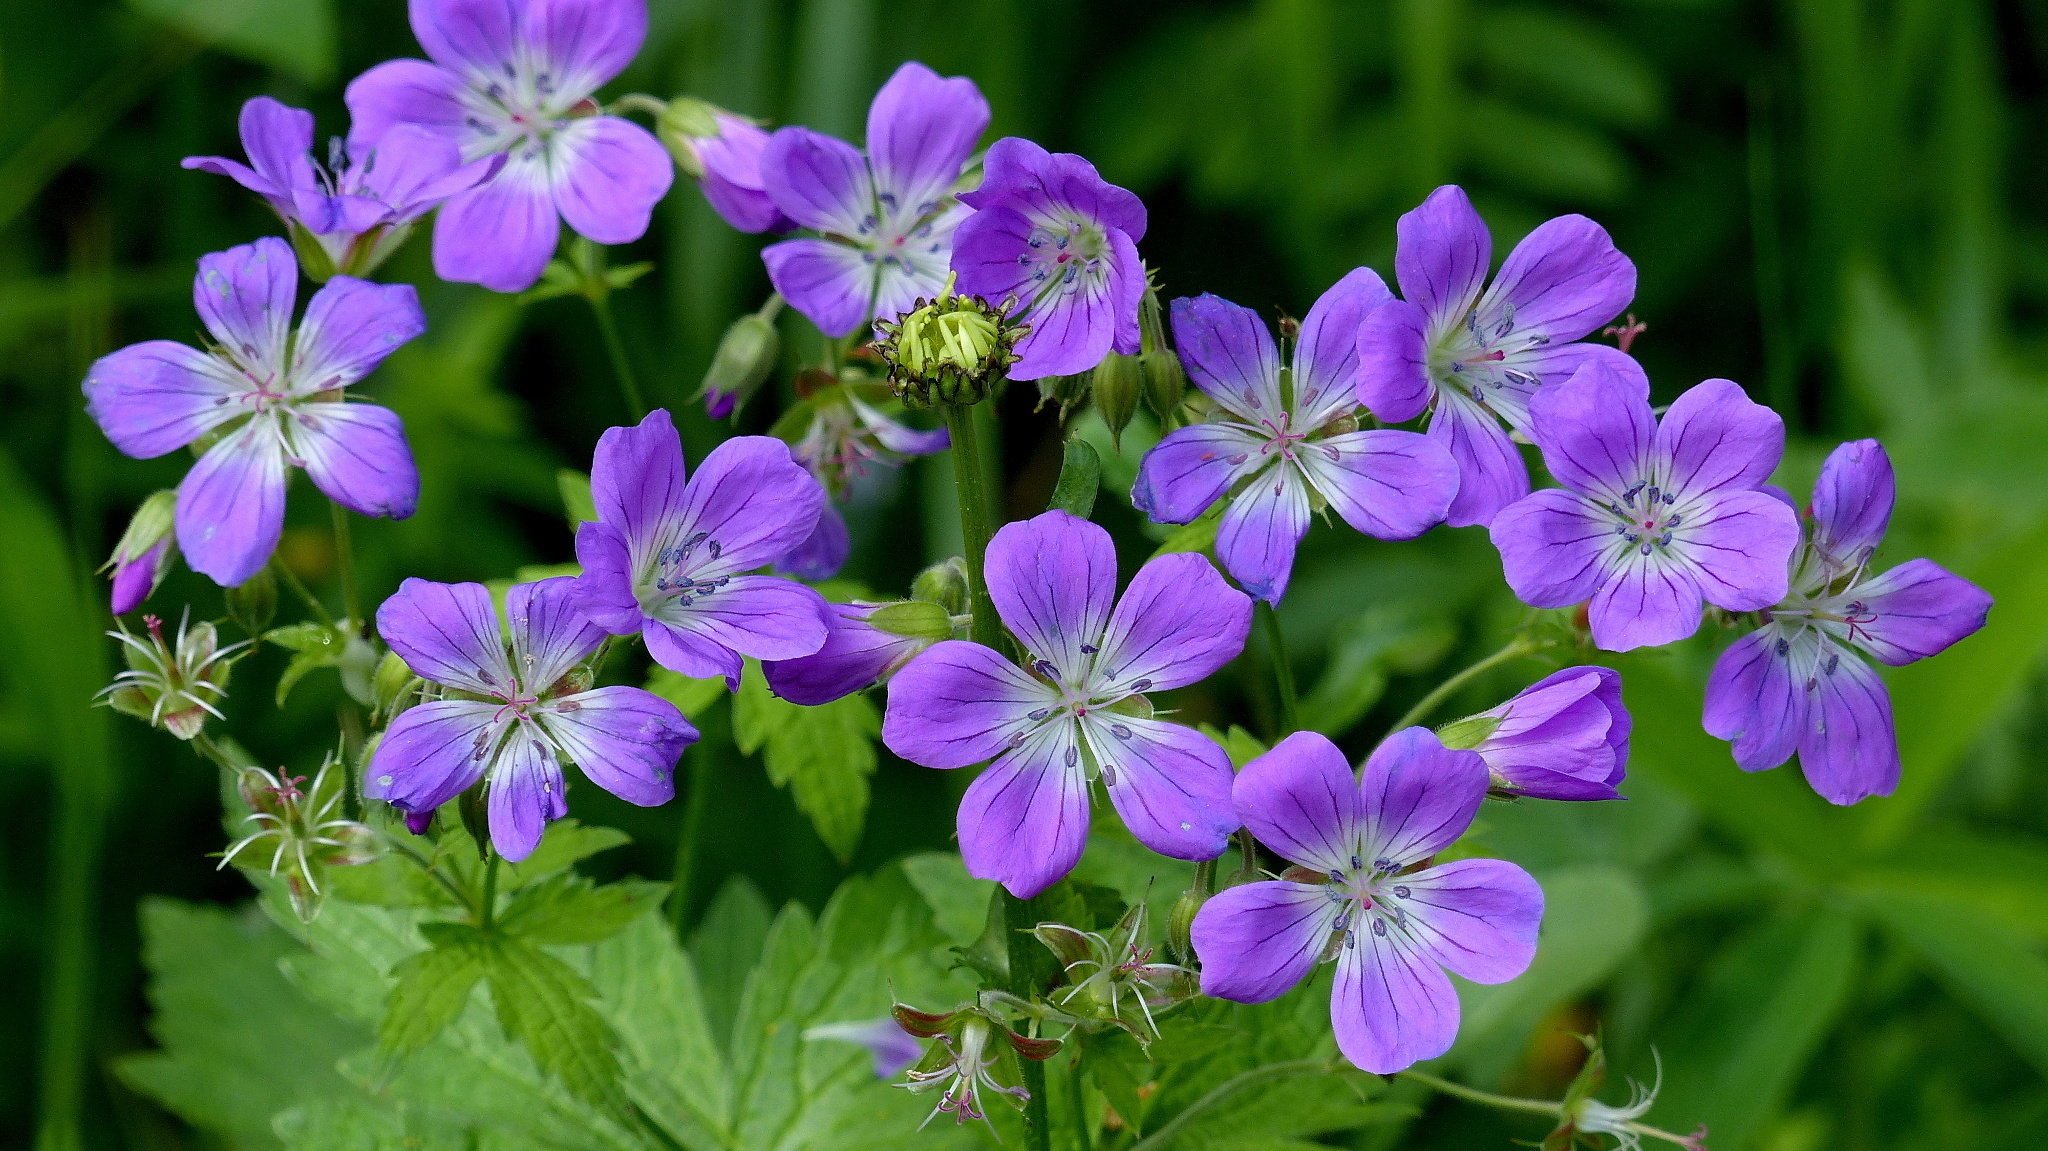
(1525, 1106)
(1022, 952)
(1516, 648)
(298, 587)
(1283, 671)
(696, 810)
(487, 907)
(970, 479)
(345, 559)
(622, 367)
(412, 855)
(1164, 1135)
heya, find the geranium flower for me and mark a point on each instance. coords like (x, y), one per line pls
(519, 716)
(1799, 682)
(1283, 438)
(1473, 354)
(1654, 519)
(884, 217)
(1052, 234)
(1563, 737)
(855, 655)
(268, 397)
(668, 558)
(1362, 890)
(514, 78)
(359, 208)
(1077, 709)
(722, 151)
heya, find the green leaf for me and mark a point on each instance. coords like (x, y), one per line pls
(567, 842)
(959, 902)
(432, 988)
(1080, 479)
(674, 1068)
(726, 946)
(1984, 963)
(823, 755)
(693, 697)
(313, 646)
(292, 36)
(569, 909)
(577, 502)
(544, 1004)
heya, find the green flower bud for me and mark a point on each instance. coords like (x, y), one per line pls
(253, 603)
(951, 350)
(944, 584)
(744, 359)
(683, 121)
(1165, 380)
(1115, 385)
(1180, 923)
(392, 682)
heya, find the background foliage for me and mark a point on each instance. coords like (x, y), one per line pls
(1834, 202)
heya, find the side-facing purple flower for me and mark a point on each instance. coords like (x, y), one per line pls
(669, 559)
(1282, 439)
(856, 655)
(1473, 354)
(1799, 682)
(144, 554)
(358, 210)
(514, 78)
(1362, 890)
(1563, 737)
(1654, 519)
(1052, 234)
(1076, 710)
(271, 397)
(847, 439)
(891, 1049)
(884, 217)
(517, 716)
(722, 152)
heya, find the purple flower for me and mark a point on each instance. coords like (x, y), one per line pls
(891, 1048)
(357, 211)
(1077, 709)
(514, 78)
(1475, 357)
(856, 655)
(668, 558)
(1563, 737)
(845, 441)
(1283, 437)
(271, 398)
(1653, 518)
(517, 717)
(885, 217)
(1359, 890)
(1799, 683)
(1050, 233)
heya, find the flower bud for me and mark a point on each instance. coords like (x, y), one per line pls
(950, 350)
(253, 602)
(144, 555)
(1165, 380)
(1115, 385)
(944, 584)
(391, 683)
(1180, 923)
(913, 619)
(742, 363)
(682, 123)
(176, 685)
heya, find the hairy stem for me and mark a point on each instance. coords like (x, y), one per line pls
(622, 366)
(970, 478)
(298, 587)
(345, 559)
(1283, 671)
(1515, 649)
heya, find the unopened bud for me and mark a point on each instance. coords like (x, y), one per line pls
(949, 350)
(1114, 386)
(944, 584)
(144, 555)
(1180, 923)
(682, 122)
(1165, 380)
(742, 363)
(253, 602)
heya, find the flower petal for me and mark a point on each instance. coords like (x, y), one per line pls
(245, 296)
(404, 92)
(820, 182)
(356, 454)
(608, 175)
(753, 502)
(1300, 800)
(550, 632)
(1391, 485)
(479, 38)
(1257, 940)
(1053, 580)
(1849, 751)
(752, 615)
(823, 552)
(960, 703)
(448, 633)
(1645, 601)
(1177, 624)
(1229, 354)
(625, 739)
(1738, 545)
(1326, 355)
(1071, 330)
(431, 754)
(1562, 281)
(1188, 471)
(921, 129)
(1920, 609)
(1491, 474)
(855, 656)
(1756, 698)
(1170, 783)
(1595, 430)
(1852, 501)
(1391, 1006)
(606, 585)
(1419, 797)
(1442, 251)
(526, 793)
(412, 169)
(1024, 821)
(1019, 171)
(829, 284)
(231, 505)
(732, 176)
(1563, 737)
(157, 396)
(1477, 917)
(584, 43)
(1393, 362)
(1715, 436)
(278, 140)
(637, 478)
(1261, 529)
(1553, 547)
(350, 327)
(501, 233)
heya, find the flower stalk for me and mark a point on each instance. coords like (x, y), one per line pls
(1514, 649)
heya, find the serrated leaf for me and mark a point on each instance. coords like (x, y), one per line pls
(543, 1004)
(693, 697)
(725, 947)
(432, 988)
(568, 909)
(566, 843)
(823, 755)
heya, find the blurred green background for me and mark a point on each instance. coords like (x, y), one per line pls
(1835, 202)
